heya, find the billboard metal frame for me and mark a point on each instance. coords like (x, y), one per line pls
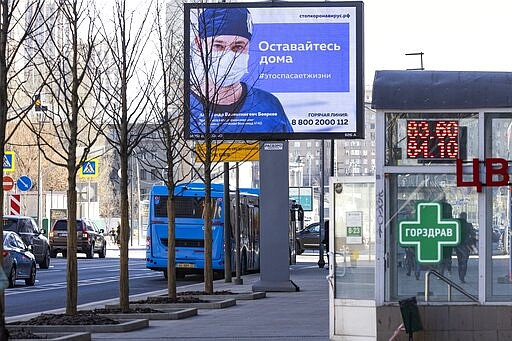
(358, 83)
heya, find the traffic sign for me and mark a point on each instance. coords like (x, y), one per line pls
(24, 183)
(302, 196)
(429, 233)
(89, 169)
(8, 161)
(8, 183)
(15, 204)
(229, 152)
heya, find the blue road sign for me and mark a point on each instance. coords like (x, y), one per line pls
(89, 169)
(24, 183)
(8, 161)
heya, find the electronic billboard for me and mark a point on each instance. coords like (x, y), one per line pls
(274, 70)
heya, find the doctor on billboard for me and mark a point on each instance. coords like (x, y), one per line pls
(219, 60)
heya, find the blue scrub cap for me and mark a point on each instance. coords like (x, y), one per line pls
(225, 21)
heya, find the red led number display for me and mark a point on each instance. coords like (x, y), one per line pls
(432, 139)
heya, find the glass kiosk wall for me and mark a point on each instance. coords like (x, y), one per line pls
(443, 202)
(422, 176)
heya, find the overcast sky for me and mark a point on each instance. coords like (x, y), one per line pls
(460, 35)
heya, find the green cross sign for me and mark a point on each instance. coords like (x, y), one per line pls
(429, 232)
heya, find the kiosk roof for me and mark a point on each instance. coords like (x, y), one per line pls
(424, 90)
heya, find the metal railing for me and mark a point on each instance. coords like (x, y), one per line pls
(450, 284)
(343, 252)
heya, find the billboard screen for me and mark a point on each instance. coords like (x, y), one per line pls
(274, 70)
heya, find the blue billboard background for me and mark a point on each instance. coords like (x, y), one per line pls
(333, 63)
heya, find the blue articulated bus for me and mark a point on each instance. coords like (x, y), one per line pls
(189, 203)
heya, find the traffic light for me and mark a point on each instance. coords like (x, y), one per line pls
(37, 102)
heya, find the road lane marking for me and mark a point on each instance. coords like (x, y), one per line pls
(63, 285)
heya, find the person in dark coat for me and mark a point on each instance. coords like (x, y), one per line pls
(325, 241)
(464, 248)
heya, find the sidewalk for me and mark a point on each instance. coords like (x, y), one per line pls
(302, 315)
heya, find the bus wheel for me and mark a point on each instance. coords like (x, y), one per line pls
(218, 274)
(298, 250)
(180, 274)
(243, 264)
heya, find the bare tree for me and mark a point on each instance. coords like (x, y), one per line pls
(167, 103)
(124, 97)
(24, 143)
(214, 105)
(18, 21)
(68, 62)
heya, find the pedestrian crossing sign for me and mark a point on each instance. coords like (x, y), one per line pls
(8, 161)
(89, 169)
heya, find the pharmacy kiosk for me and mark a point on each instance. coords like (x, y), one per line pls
(422, 250)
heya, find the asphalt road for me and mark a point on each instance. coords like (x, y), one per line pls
(98, 279)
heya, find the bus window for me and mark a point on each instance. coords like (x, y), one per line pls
(189, 207)
(160, 206)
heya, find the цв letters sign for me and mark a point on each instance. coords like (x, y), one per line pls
(429, 233)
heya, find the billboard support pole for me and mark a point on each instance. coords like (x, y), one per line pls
(274, 216)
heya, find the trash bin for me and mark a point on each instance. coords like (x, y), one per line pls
(410, 315)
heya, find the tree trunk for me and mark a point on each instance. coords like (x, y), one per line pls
(3, 123)
(171, 244)
(124, 234)
(71, 264)
(208, 264)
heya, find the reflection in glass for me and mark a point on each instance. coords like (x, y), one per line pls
(405, 275)
(499, 232)
(354, 242)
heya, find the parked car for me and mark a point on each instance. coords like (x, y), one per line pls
(90, 239)
(308, 238)
(19, 262)
(27, 229)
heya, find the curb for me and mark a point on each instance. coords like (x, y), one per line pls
(124, 326)
(86, 336)
(212, 304)
(166, 314)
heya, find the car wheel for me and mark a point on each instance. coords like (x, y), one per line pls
(31, 281)
(12, 277)
(90, 251)
(64, 254)
(298, 250)
(45, 263)
(53, 253)
(103, 251)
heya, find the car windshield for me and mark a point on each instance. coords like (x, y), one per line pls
(9, 240)
(62, 225)
(10, 224)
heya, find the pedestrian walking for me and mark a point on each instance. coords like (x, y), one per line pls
(463, 250)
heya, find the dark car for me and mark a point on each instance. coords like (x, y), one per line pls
(90, 239)
(308, 238)
(26, 228)
(19, 262)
